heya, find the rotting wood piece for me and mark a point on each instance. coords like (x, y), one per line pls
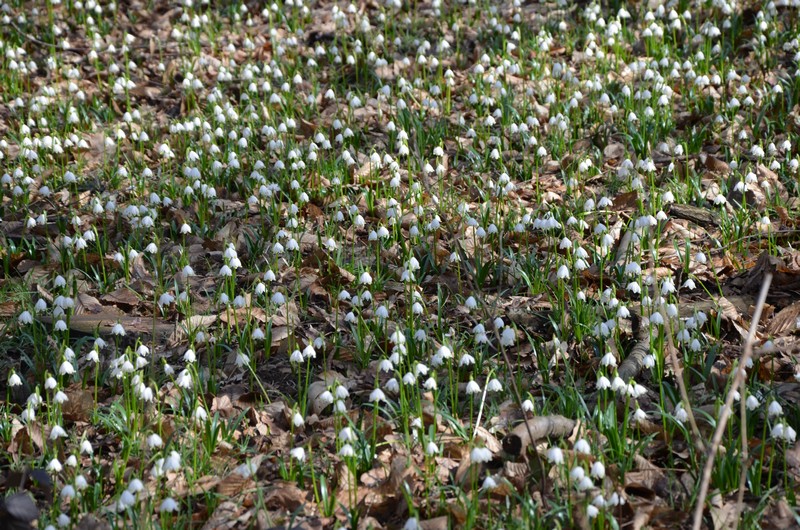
(524, 434)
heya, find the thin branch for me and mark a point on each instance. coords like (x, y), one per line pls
(47, 44)
(678, 368)
(738, 379)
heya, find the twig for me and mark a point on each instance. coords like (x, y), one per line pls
(678, 369)
(46, 44)
(738, 379)
(745, 457)
(520, 438)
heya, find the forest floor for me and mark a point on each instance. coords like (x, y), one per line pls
(399, 264)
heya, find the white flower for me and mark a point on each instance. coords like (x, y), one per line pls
(412, 524)
(154, 441)
(508, 337)
(14, 380)
(582, 446)
(774, 409)
(445, 352)
(168, 505)
(752, 402)
(473, 387)
(377, 395)
(555, 455)
(68, 492)
(480, 455)
(608, 360)
(603, 383)
(680, 413)
(25, 318)
(66, 368)
(598, 470)
(298, 453)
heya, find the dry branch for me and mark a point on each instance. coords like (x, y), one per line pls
(738, 379)
(524, 434)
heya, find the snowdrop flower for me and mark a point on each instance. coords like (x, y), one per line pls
(25, 318)
(168, 505)
(555, 455)
(14, 379)
(582, 446)
(154, 441)
(377, 395)
(680, 413)
(298, 453)
(473, 387)
(598, 470)
(489, 483)
(608, 360)
(603, 383)
(480, 455)
(508, 337)
(412, 524)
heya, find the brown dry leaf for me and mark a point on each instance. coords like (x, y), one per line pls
(437, 523)
(89, 304)
(8, 309)
(614, 151)
(647, 474)
(731, 315)
(626, 201)
(223, 405)
(228, 515)
(243, 315)
(28, 439)
(284, 496)
(122, 296)
(234, 484)
(79, 404)
(490, 441)
(785, 321)
(722, 513)
(204, 485)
